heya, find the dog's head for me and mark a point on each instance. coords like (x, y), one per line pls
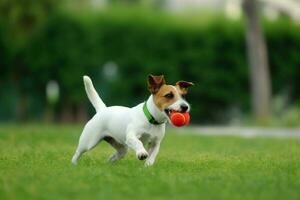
(169, 98)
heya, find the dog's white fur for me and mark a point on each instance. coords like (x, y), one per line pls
(127, 127)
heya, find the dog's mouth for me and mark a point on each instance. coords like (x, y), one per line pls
(170, 111)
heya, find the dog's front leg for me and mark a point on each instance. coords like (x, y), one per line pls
(153, 151)
(134, 143)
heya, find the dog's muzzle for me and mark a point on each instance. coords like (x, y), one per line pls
(183, 109)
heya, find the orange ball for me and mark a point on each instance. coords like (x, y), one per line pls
(180, 119)
(187, 118)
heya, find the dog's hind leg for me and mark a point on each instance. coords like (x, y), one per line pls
(121, 150)
(89, 138)
(77, 155)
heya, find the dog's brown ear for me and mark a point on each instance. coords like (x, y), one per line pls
(155, 82)
(183, 86)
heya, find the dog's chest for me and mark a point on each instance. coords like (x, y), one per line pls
(154, 131)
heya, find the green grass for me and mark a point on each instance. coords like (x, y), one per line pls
(35, 164)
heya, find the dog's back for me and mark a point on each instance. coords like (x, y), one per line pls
(116, 119)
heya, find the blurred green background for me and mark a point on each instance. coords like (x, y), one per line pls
(46, 47)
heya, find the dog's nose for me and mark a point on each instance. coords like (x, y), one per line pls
(184, 107)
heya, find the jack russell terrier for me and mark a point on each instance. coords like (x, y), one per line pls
(124, 127)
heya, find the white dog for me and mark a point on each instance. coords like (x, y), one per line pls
(125, 127)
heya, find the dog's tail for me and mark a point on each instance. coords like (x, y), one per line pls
(92, 94)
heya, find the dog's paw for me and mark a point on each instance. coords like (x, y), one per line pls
(142, 155)
(149, 163)
(113, 158)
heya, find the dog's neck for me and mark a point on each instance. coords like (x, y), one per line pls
(158, 115)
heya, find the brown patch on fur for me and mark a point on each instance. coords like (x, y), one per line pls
(155, 83)
(183, 86)
(161, 101)
(157, 86)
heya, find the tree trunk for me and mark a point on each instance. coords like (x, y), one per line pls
(258, 62)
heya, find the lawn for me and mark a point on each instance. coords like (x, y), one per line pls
(35, 164)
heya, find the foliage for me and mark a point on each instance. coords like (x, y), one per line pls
(284, 42)
(209, 52)
(18, 20)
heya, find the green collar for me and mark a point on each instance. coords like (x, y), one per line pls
(149, 116)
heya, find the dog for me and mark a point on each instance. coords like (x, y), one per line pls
(124, 127)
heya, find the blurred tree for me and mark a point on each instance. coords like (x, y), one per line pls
(20, 19)
(146, 3)
(258, 62)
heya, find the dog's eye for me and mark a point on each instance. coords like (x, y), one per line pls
(169, 95)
